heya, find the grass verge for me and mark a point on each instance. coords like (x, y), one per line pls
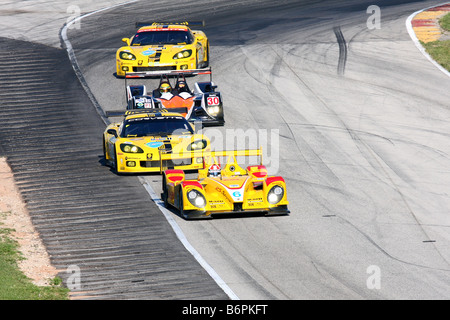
(439, 51)
(14, 285)
(445, 22)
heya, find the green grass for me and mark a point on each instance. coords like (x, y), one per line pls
(14, 285)
(445, 22)
(439, 51)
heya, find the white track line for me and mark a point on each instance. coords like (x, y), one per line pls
(186, 243)
(413, 36)
(167, 214)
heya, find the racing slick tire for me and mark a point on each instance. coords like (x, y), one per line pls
(164, 194)
(180, 206)
(207, 56)
(104, 151)
(115, 163)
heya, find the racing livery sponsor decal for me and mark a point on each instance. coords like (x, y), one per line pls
(155, 144)
(148, 52)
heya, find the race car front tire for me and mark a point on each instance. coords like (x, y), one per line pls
(181, 205)
(116, 164)
(165, 192)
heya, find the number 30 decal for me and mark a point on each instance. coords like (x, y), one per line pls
(213, 101)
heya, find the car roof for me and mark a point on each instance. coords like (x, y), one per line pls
(163, 27)
(140, 113)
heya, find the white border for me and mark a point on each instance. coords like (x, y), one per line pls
(167, 214)
(413, 36)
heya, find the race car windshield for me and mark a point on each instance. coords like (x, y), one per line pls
(162, 37)
(155, 126)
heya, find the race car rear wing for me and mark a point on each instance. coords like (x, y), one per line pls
(237, 153)
(185, 23)
(187, 72)
(120, 113)
(165, 156)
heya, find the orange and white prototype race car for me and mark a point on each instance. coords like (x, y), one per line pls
(201, 104)
(227, 189)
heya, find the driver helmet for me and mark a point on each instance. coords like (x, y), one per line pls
(214, 170)
(164, 88)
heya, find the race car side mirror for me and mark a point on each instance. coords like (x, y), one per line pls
(127, 41)
(112, 132)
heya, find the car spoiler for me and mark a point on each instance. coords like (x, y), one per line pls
(237, 153)
(187, 72)
(168, 155)
(119, 113)
(185, 23)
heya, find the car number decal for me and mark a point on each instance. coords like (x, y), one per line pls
(213, 101)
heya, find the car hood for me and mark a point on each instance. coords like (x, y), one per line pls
(233, 186)
(152, 51)
(171, 142)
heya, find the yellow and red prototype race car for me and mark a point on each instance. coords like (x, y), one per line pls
(225, 190)
(160, 46)
(153, 140)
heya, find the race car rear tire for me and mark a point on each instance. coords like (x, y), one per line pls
(206, 65)
(104, 151)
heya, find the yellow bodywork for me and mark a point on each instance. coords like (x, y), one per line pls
(159, 152)
(236, 190)
(167, 55)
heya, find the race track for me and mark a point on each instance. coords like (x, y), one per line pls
(363, 144)
(356, 121)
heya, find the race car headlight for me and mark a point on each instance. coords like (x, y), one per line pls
(214, 111)
(127, 55)
(129, 148)
(197, 145)
(182, 54)
(196, 199)
(275, 194)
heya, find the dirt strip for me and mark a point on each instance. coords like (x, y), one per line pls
(14, 215)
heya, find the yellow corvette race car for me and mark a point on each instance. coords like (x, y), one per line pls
(225, 190)
(159, 46)
(152, 140)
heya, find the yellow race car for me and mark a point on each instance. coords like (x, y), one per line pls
(152, 140)
(160, 46)
(225, 190)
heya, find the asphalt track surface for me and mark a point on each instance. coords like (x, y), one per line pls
(362, 118)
